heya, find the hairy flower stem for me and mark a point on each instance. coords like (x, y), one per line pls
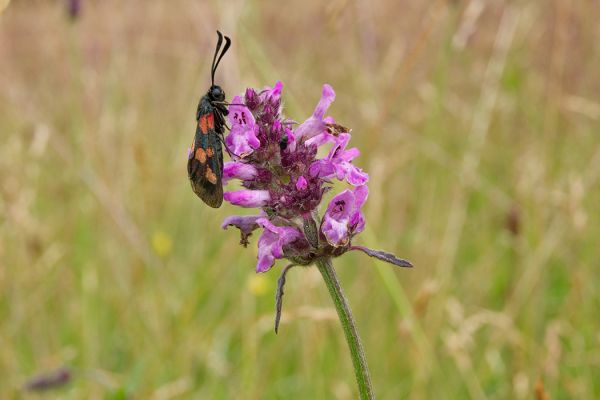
(357, 353)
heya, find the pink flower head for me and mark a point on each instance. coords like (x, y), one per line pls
(339, 163)
(344, 217)
(272, 241)
(280, 173)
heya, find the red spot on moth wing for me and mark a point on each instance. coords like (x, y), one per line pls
(200, 155)
(210, 121)
(210, 176)
(203, 123)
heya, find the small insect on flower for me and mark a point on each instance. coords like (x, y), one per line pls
(205, 157)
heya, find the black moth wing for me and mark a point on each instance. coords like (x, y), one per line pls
(205, 162)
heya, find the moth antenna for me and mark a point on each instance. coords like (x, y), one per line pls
(225, 48)
(212, 70)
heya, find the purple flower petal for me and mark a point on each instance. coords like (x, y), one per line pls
(357, 222)
(245, 223)
(321, 169)
(335, 231)
(251, 98)
(341, 205)
(315, 125)
(320, 139)
(248, 198)
(287, 233)
(238, 170)
(301, 183)
(338, 164)
(337, 217)
(327, 97)
(349, 155)
(344, 218)
(266, 259)
(309, 128)
(356, 177)
(271, 243)
(273, 93)
(239, 113)
(357, 219)
(360, 196)
(290, 146)
(242, 140)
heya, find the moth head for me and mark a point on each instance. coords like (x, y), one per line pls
(216, 93)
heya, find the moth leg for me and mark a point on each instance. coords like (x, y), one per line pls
(225, 103)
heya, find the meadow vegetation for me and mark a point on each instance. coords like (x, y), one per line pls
(478, 122)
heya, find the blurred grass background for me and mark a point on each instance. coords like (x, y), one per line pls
(479, 125)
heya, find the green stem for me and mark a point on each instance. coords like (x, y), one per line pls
(361, 370)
